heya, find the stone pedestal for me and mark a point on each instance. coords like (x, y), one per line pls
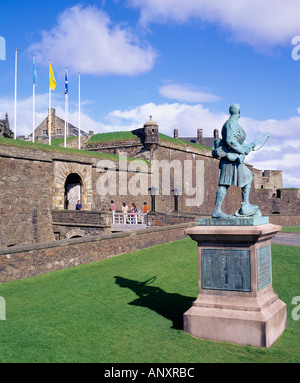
(236, 301)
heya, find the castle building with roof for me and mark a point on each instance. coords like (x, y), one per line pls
(57, 128)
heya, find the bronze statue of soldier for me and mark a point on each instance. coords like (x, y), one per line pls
(231, 150)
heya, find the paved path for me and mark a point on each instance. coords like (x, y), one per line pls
(283, 238)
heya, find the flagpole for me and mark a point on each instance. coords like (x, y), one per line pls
(65, 139)
(49, 133)
(33, 100)
(15, 114)
(66, 107)
(49, 116)
(79, 122)
(33, 111)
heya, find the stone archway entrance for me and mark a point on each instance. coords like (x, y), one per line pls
(73, 187)
(71, 173)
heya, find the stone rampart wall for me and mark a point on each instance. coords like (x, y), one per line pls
(71, 223)
(31, 260)
(33, 182)
(82, 217)
(283, 201)
(162, 219)
(285, 220)
(25, 198)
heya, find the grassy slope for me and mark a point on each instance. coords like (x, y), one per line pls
(105, 312)
(112, 136)
(60, 141)
(58, 149)
(127, 135)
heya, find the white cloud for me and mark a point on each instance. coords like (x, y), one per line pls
(184, 117)
(187, 93)
(25, 115)
(256, 22)
(85, 40)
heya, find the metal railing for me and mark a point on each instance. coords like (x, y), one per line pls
(129, 218)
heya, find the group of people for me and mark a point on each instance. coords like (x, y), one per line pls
(125, 208)
(133, 210)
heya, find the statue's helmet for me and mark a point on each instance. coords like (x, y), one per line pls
(234, 109)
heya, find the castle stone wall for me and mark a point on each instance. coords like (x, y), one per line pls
(285, 201)
(32, 260)
(25, 198)
(33, 182)
(267, 179)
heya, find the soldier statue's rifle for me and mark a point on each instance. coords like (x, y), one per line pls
(256, 142)
(221, 150)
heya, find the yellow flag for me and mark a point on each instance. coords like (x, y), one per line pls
(52, 81)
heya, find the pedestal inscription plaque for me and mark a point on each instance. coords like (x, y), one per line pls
(226, 269)
(264, 267)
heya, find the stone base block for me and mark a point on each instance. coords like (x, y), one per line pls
(256, 328)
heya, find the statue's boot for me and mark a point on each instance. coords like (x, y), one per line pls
(217, 213)
(247, 209)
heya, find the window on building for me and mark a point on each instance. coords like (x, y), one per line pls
(44, 132)
(279, 195)
(58, 131)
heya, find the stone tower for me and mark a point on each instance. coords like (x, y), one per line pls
(151, 136)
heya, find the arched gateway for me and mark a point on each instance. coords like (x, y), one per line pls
(72, 182)
(73, 187)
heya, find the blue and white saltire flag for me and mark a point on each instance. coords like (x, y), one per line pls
(34, 72)
(66, 85)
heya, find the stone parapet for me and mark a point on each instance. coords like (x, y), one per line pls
(21, 262)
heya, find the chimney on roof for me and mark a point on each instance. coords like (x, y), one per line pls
(200, 139)
(175, 133)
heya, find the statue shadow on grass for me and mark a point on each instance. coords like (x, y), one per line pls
(172, 306)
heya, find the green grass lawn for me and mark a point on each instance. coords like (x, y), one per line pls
(112, 136)
(54, 147)
(292, 229)
(129, 309)
(60, 141)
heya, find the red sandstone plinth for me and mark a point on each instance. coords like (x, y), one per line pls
(236, 301)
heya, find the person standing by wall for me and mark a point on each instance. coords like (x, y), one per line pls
(112, 206)
(133, 211)
(146, 211)
(146, 208)
(125, 209)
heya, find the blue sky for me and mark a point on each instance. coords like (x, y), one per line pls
(184, 62)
